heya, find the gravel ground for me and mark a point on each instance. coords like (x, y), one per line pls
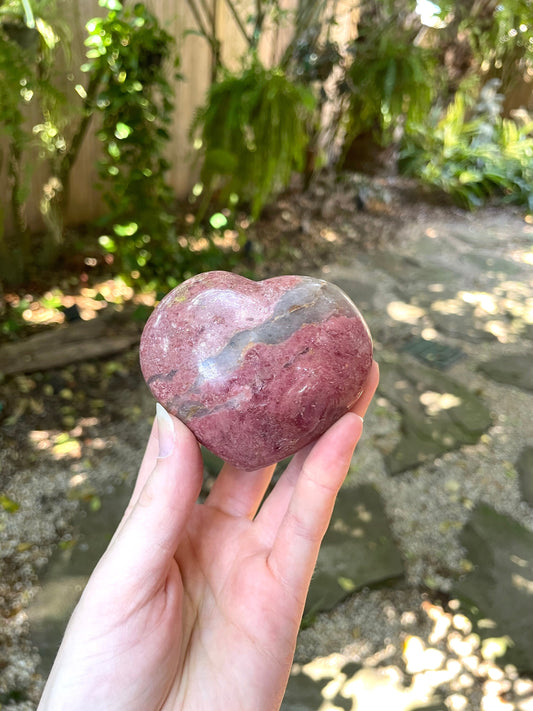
(52, 494)
(408, 646)
(410, 642)
(407, 639)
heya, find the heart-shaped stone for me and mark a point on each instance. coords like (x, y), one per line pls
(256, 370)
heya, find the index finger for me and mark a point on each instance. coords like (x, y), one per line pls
(295, 548)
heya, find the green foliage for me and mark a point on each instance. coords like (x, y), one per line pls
(313, 61)
(30, 36)
(12, 320)
(391, 79)
(473, 156)
(8, 504)
(500, 36)
(17, 87)
(308, 59)
(252, 133)
(128, 58)
(129, 52)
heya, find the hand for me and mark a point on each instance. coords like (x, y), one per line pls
(197, 606)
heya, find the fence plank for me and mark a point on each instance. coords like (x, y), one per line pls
(84, 200)
(196, 59)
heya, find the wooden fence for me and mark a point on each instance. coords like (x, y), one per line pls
(195, 56)
(196, 64)
(85, 202)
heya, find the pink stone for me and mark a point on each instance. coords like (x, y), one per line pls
(256, 370)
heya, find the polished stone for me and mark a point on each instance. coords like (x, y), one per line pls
(256, 370)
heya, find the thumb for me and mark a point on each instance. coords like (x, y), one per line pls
(149, 535)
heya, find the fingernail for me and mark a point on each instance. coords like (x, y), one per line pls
(359, 418)
(165, 431)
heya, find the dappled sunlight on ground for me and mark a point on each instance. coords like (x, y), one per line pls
(504, 313)
(450, 665)
(50, 308)
(66, 445)
(435, 402)
(448, 306)
(408, 313)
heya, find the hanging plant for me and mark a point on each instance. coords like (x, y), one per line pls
(252, 134)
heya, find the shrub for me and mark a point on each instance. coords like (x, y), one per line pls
(129, 53)
(473, 155)
(392, 80)
(34, 113)
(252, 134)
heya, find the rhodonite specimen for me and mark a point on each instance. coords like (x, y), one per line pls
(256, 370)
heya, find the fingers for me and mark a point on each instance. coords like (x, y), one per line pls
(274, 508)
(151, 530)
(296, 545)
(147, 465)
(239, 493)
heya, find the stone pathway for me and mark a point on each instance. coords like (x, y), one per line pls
(437, 505)
(451, 310)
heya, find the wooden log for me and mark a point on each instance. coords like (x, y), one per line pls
(71, 343)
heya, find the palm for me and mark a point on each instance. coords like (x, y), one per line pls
(232, 617)
(197, 606)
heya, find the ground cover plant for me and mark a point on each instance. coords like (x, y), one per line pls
(472, 153)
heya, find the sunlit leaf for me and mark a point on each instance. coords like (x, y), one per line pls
(470, 176)
(126, 230)
(28, 14)
(91, 25)
(122, 130)
(218, 220)
(8, 504)
(47, 33)
(107, 243)
(110, 5)
(113, 150)
(95, 503)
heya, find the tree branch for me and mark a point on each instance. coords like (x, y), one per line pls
(70, 156)
(209, 36)
(249, 40)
